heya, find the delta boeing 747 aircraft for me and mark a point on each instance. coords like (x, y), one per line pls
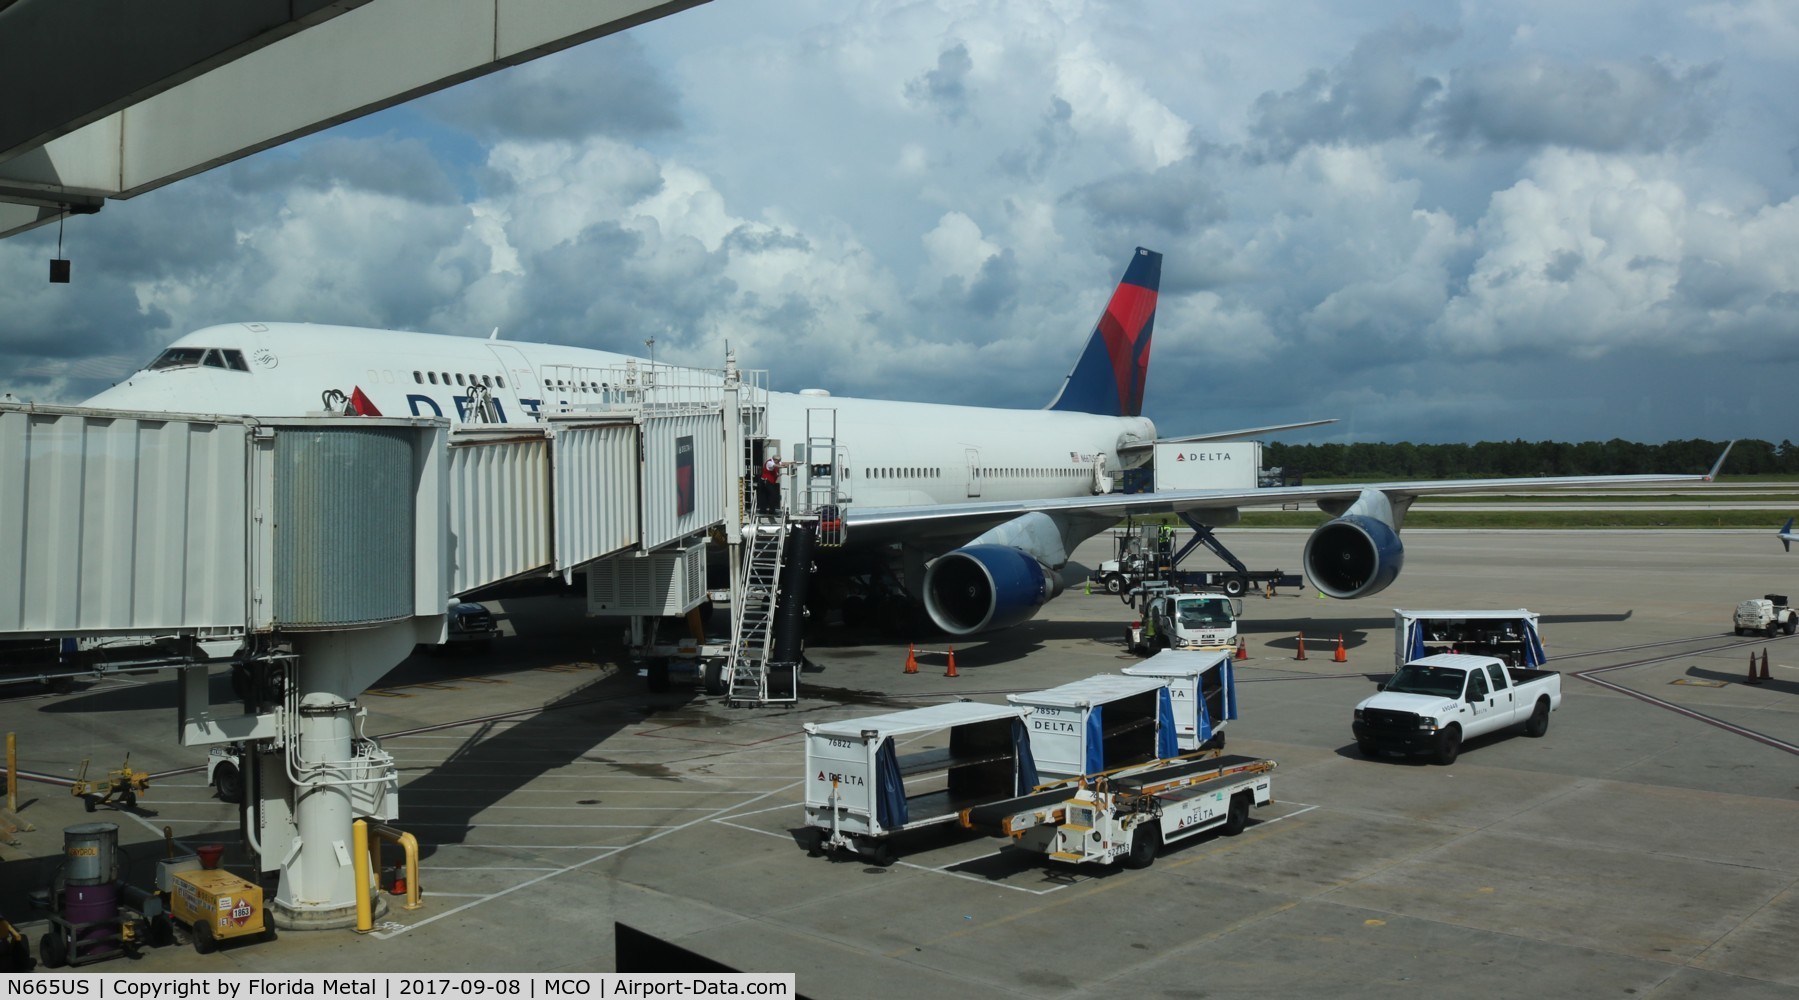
(971, 511)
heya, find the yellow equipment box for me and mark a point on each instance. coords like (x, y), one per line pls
(217, 906)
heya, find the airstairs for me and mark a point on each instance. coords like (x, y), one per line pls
(766, 652)
(753, 629)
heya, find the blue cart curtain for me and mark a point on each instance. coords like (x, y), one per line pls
(1167, 742)
(1202, 718)
(1417, 646)
(1025, 771)
(1230, 688)
(1533, 646)
(1096, 743)
(890, 789)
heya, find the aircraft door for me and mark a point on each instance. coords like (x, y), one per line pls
(526, 391)
(974, 480)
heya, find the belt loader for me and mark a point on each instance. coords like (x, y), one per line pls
(1126, 816)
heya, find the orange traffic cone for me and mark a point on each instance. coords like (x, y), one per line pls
(1242, 649)
(1341, 657)
(1765, 663)
(1753, 677)
(1302, 647)
(951, 672)
(911, 660)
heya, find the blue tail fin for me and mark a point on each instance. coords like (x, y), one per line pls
(1108, 379)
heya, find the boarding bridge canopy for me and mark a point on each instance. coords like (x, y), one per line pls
(111, 98)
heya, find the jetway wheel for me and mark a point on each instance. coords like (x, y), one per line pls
(714, 674)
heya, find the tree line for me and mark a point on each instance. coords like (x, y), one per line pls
(1484, 459)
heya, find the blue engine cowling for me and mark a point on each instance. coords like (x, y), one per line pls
(1354, 556)
(983, 587)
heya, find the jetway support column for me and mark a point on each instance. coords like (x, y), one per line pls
(318, 889)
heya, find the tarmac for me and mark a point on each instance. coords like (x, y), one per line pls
(1645, 847)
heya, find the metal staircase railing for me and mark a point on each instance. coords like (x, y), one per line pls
(753, 630)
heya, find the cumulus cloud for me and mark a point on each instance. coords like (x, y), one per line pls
(946, 87)
(1375, 94)
(1640, 106)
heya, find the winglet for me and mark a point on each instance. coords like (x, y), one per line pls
(1712, 476)
(1786, 535)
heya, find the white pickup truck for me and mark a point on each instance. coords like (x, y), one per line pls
(1431, 705)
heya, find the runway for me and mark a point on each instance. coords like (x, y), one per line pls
(1643, 847)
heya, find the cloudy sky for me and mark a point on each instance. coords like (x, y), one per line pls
(1436, 222)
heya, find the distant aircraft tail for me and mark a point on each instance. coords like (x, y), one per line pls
(1108, 379)
(1787, 538)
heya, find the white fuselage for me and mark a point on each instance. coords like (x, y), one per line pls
(893, 453)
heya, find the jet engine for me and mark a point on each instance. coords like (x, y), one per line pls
(1359, 553)
(978, 588)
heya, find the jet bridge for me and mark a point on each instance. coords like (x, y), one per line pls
(313, 553)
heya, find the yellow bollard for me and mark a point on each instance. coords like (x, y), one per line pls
(410, 845)
(359, 853)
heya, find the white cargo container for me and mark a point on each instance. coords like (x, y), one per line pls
(1513, 636)
(869, 778)
(1208, 465)
(1099, 724)
(1203, 690)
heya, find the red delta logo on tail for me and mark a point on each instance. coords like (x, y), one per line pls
(1108, 379)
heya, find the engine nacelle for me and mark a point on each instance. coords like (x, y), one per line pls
(1354, 556)
(979, 588)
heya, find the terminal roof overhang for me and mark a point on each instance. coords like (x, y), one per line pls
(111, 98)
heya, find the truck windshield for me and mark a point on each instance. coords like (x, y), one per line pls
(1210, 613)
(1416, 679)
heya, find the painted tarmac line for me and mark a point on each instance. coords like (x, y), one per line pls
(480, 868)
(544, 826)
(383, 935)
(576, 808)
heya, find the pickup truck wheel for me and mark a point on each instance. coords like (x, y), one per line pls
(1367, 749)
(1538, 723)
(1773, 629)
(1739, 630)
(1791, 626)
(1448, 745)
(1146, 840)
(1238, 816)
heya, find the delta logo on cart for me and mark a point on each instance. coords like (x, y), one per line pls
(828, 777)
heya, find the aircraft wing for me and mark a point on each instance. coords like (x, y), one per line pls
(1240, 433)
(973, 517)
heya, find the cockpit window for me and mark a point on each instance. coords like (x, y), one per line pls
(178, 357)
(200, 357)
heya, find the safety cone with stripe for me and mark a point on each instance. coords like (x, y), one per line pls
(911, 660)
(1341, 656)
(1242, 648)
(1302, 647)
(951, 671)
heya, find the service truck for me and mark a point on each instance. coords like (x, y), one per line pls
(1432, 705)
(1768, 614)
(1173, 620)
